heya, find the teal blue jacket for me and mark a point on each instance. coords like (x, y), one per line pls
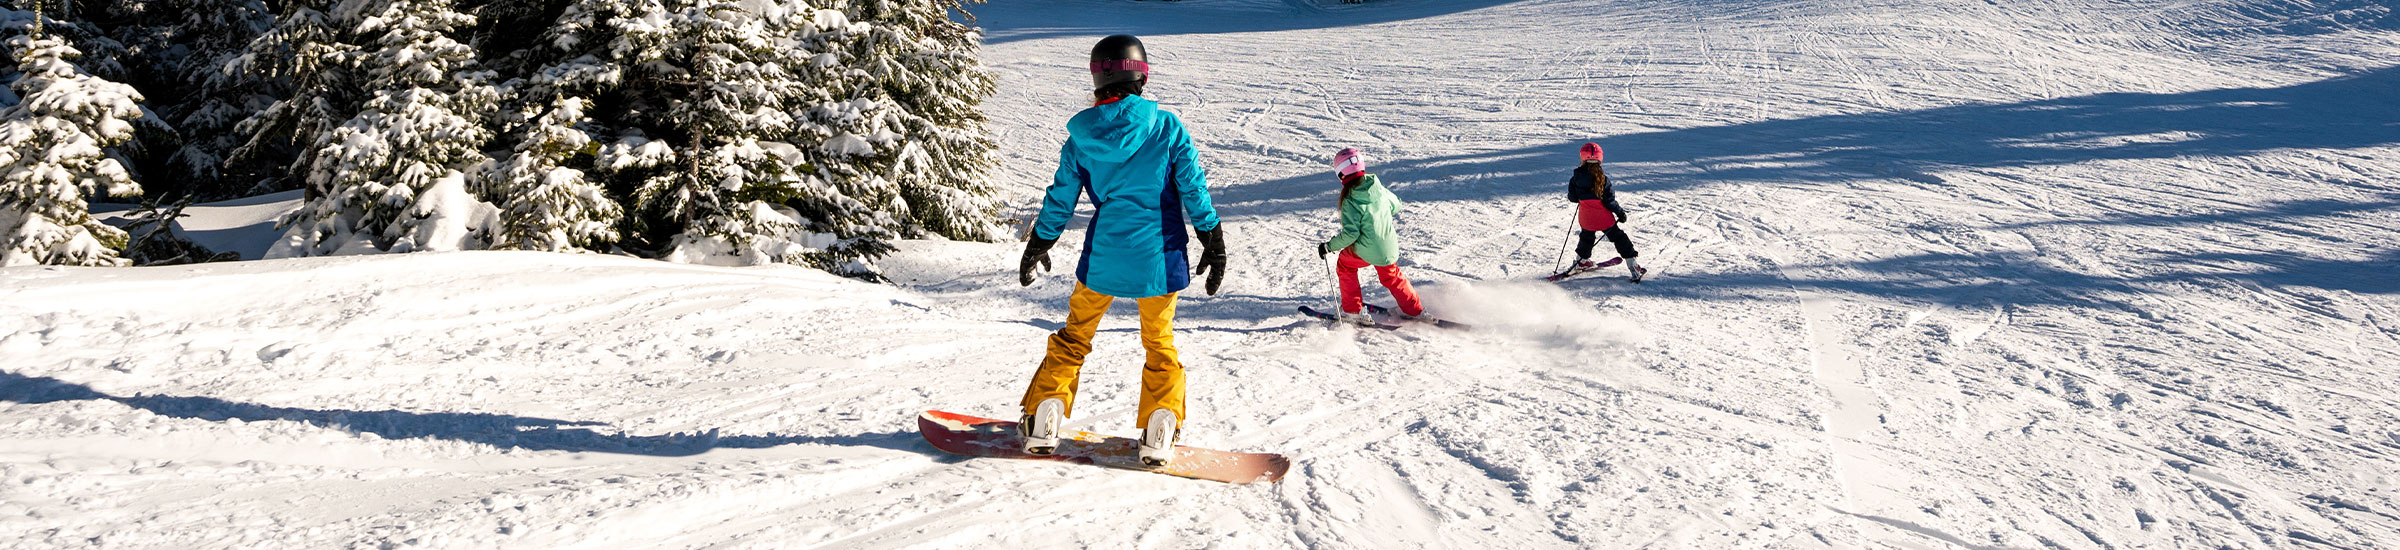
(1137, 165)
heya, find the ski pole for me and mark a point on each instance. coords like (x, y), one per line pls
(1561, 261)
(1333, 270)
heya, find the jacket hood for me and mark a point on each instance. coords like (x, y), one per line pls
(1113, 132)
(1366, 190)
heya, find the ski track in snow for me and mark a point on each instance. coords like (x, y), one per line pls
(1949, 274)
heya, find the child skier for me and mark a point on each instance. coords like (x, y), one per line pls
(1597, 210)
(1367, 240)
(1138, 165)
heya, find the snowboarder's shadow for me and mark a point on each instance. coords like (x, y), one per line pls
(498, 430)
(1233, 305)
(1053, 326)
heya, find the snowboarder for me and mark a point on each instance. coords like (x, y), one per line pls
(1139, 167)
(1597, 211)
(1366, 239)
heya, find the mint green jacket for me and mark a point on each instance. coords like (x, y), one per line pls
(1367, 223)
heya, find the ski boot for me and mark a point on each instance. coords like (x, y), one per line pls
(1041, 428)
(1359, 319)
(1637, 270)
(1158, 439)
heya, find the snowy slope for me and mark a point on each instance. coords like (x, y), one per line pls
(1930, 274)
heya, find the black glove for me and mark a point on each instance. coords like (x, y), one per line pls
(1212, 258)
(1322, 251)
(1620, 217)
(1037, 252)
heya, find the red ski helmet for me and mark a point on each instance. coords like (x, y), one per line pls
(1591, 152)
(1349, 162)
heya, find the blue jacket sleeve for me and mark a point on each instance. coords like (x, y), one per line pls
(1191, 181)
(1058, 202)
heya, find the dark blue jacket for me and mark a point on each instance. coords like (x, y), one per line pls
(1579, 189)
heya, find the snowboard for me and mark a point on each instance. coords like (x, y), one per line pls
(1312, 312)
(1388, 314)
(985, 437)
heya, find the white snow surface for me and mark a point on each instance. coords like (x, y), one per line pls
(244, 226)
(1925, 274)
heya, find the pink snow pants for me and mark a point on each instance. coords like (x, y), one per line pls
(1593, 215)
(1352, 301)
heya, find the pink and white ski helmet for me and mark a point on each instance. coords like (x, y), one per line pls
(1349, 162)
(1591, 152)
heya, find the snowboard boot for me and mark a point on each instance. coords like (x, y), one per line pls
(1158, 439)
(1637, 270)
(1041, 428)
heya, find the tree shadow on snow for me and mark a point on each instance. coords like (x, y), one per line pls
(1961, 279)
(2336, 113)
(497, 430)
(1832, 152)
(2020, 278)
(1005, 21)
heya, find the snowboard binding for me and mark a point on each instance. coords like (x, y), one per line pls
(1158, 439)
(1041, 428)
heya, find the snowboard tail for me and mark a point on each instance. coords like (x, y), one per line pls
(987, 437)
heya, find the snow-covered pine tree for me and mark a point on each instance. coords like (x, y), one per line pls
(546, 203)
(387, 173)
(102, 55)
(52, 157)
(551, 195)
(838, 128)
(304, 53)
(709, 132)
(177, 53)
(924, 73)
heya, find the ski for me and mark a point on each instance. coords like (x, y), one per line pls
(1575, 270)
(1639, 273)
(1570, 272)
(1393, 317)
(988, 437)
(1338, 319)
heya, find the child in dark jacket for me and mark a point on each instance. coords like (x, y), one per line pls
(1597, 211)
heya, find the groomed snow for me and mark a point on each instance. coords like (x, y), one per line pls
(1927, 274)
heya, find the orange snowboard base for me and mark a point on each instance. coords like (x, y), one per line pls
(986, 437)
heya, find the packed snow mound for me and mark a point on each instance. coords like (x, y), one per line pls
(244, 226)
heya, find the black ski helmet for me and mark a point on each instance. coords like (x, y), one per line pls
(1119, 58)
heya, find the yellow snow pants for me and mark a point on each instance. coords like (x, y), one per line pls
(1162, 373)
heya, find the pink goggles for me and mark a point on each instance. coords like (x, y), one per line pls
(1120, 65)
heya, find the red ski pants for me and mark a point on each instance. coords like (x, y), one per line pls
(1390, 276)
